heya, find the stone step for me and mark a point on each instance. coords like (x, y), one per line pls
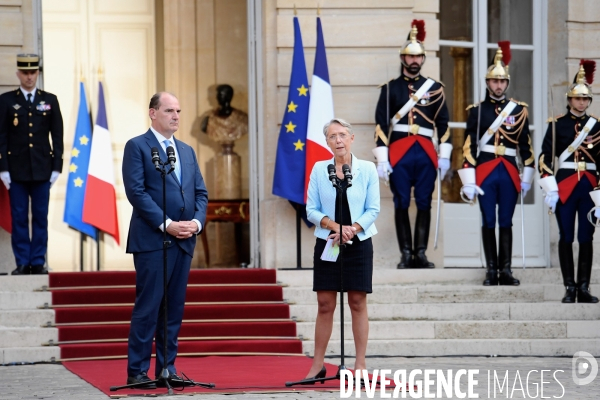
(24, 283)
(453, 293)
(394, 330)
(469, 276)
(463, 311)
(464, 347)
(26, 337)
(23, 300)
(29, 354)
(25, 318)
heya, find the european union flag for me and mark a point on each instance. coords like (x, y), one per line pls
(290, 164)
(78, 169)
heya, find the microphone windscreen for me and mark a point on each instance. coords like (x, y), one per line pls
(345, 168)
(330, 169)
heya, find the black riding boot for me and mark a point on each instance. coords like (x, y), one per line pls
(505, 259)
(488, 237)
(584, 273)
(567, 267)
(421, 238)
(404, 238)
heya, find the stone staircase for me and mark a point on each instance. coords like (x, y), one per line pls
(438, 312)
(21, 332)
(447, 312)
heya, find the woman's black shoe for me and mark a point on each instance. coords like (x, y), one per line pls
(320, 374)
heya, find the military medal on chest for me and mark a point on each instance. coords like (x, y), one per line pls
(16, 120)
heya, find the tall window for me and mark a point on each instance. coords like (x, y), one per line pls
(469, 35)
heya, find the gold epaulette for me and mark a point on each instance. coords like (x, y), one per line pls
(555, 118)
(521, 103)
(471, 106)
(384, 83)
(593, 116)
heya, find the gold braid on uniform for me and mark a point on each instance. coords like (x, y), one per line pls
(544, 167)
(531, 159)
(519, 121)
(467, 151)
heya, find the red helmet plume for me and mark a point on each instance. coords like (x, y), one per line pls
(505, 47)
(420, 24)
(589, 66)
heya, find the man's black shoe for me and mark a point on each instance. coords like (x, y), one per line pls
(38, 270)
(22, 270)
(141, 378)
(175, 381)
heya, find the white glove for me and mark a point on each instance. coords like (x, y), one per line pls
(444, 166)
(54, 177)
(551, 199)
(469, 191)
(384, 169)
(5, 177)
(525, 186)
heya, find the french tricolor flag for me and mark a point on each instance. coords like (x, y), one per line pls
(100, 203)
(320, 110)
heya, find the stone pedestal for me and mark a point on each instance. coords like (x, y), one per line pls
(228, 176)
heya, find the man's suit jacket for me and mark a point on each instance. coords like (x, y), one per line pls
(143, 186)
(363, 197)
(25, 132)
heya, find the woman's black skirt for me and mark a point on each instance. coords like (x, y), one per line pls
(358, 267)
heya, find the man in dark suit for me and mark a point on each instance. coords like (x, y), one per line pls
(29, 162)
(185, 207)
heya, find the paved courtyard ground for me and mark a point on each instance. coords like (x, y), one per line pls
(510, 377)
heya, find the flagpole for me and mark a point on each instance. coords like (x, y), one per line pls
(81, 241)
(298, 238)
(99, 235)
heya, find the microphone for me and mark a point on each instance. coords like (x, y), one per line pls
(347, 175)
(332, 176)
(171, 157)
(155, 158)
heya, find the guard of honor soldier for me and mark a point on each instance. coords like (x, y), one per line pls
(571, 184)
(497, 129)
(29, 162)
(410, 110)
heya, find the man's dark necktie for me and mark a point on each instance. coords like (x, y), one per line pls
(29, 102)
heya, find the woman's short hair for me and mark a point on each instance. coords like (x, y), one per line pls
(340, 122)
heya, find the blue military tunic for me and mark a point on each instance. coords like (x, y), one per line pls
(576, 177)
(495, 160)
(411, 151)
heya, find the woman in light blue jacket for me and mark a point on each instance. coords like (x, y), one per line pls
(360, 207)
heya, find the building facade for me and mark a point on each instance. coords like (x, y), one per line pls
(189, 46)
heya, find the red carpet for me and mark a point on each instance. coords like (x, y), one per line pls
(229, 374)
(228, 311)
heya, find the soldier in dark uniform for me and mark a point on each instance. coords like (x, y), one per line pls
(29, 162)
(567, 191)
(490, 165)
(410, 108)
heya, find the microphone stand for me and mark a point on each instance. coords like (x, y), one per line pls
(341, 191)
(164, 379)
